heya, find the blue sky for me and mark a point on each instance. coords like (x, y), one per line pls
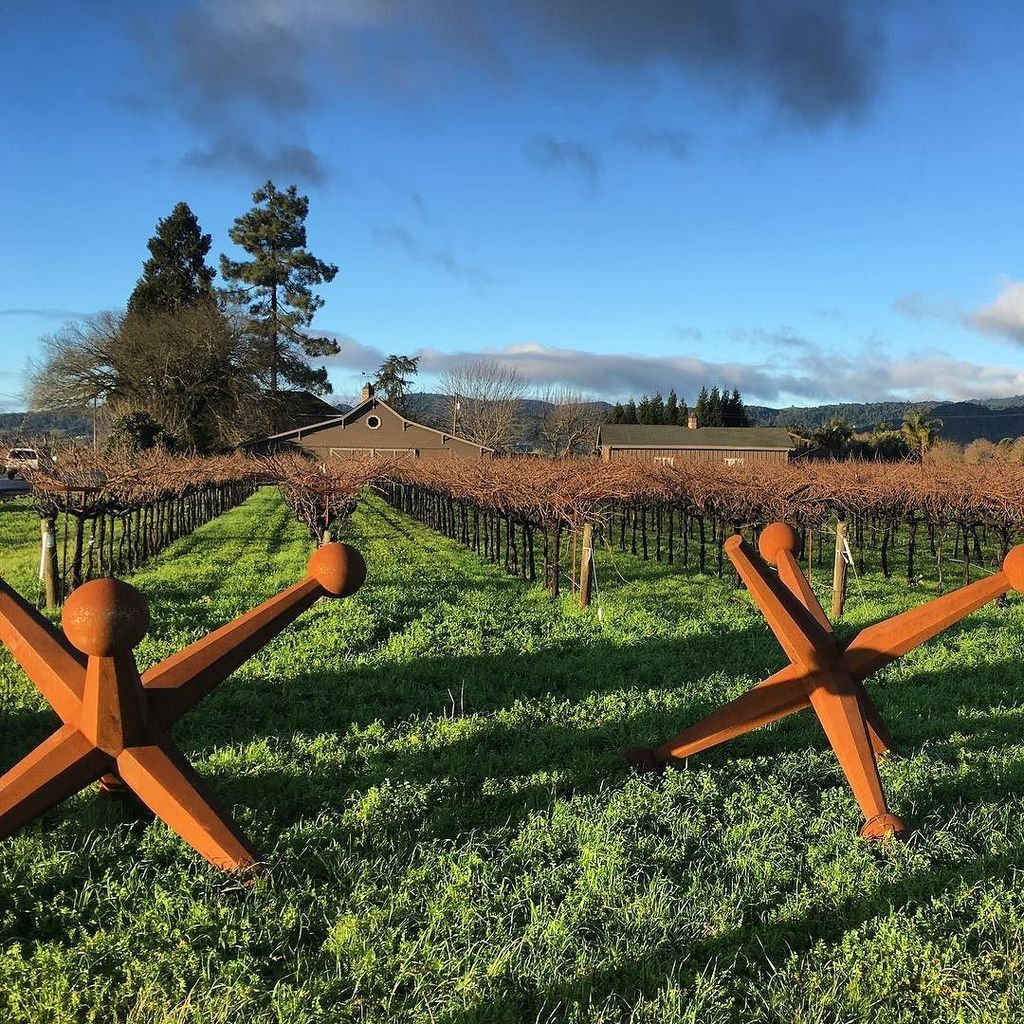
(812, 202)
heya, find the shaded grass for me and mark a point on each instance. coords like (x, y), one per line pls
(430, 770)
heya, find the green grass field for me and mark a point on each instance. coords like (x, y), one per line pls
(431, 772)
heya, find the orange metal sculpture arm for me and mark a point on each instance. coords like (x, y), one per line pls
(796, 629)
(797, 583)
(184, 679)
(181, 681)
(886, 641)
(56, 668)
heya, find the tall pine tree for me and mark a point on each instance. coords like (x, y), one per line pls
(630, 413)
(701, 408)
(616, 414)
(714, 417)
(683, 414)
(276, 286)
(671, 408)
(739, 410)
(658, 409)
(176, 275)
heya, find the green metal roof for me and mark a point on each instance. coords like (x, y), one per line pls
(630, 435)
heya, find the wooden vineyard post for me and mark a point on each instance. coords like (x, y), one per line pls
(822, 674)
(48, 560)
(839, 571)
(587, 565)
(115, 724)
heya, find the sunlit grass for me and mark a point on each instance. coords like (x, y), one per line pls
(430, 771)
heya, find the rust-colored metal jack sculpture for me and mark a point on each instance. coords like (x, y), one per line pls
(821, 674)
(116, 722)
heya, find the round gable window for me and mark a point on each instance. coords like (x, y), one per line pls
(373, 422)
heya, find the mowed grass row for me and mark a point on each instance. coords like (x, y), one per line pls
(431, 771)
(19, 547)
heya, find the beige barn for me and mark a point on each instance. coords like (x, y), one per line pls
(371, 428)
(733, 446)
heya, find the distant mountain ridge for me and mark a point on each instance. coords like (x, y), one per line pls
(963, 422)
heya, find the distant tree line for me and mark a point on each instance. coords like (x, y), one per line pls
(714, 408)
(913, 439)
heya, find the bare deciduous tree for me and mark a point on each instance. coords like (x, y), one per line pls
(484, 401)
(569, 423)
(190, 370)
(77, 364)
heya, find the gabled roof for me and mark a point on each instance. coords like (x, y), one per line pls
(342, 419)
(294, 409)
(640, 435)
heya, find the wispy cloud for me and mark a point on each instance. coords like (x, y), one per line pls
(399, 237)
(569, 154)
(44, 312)
(1003, 317)
(792, 369)
(293, 163)
(671, 142)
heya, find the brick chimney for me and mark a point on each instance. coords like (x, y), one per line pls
(692, 421)
(367, 393)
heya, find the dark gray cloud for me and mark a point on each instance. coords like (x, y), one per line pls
(294, 163)
(811, 373)
(815, 61)
(45, 313)
(399, 237)
(229, 66)
(224, 57)
(570, 154)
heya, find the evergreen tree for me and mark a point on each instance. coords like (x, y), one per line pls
(643, 410)
(671, 408)
(630, 413)
(277, 286)
(715, 418)
(701, 408)
(394, 378)
(727, 410)
(658, 409)
(683, 415)
(176, 274)
(734, 411)
(617, 414)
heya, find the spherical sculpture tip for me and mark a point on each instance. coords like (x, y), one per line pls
(777, 537)
(1013, 567)
(105, 616)
(338, 568)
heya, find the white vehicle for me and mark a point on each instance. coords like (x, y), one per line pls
(20, 459)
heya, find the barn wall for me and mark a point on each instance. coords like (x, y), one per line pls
(390, 438)
(720, 455)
